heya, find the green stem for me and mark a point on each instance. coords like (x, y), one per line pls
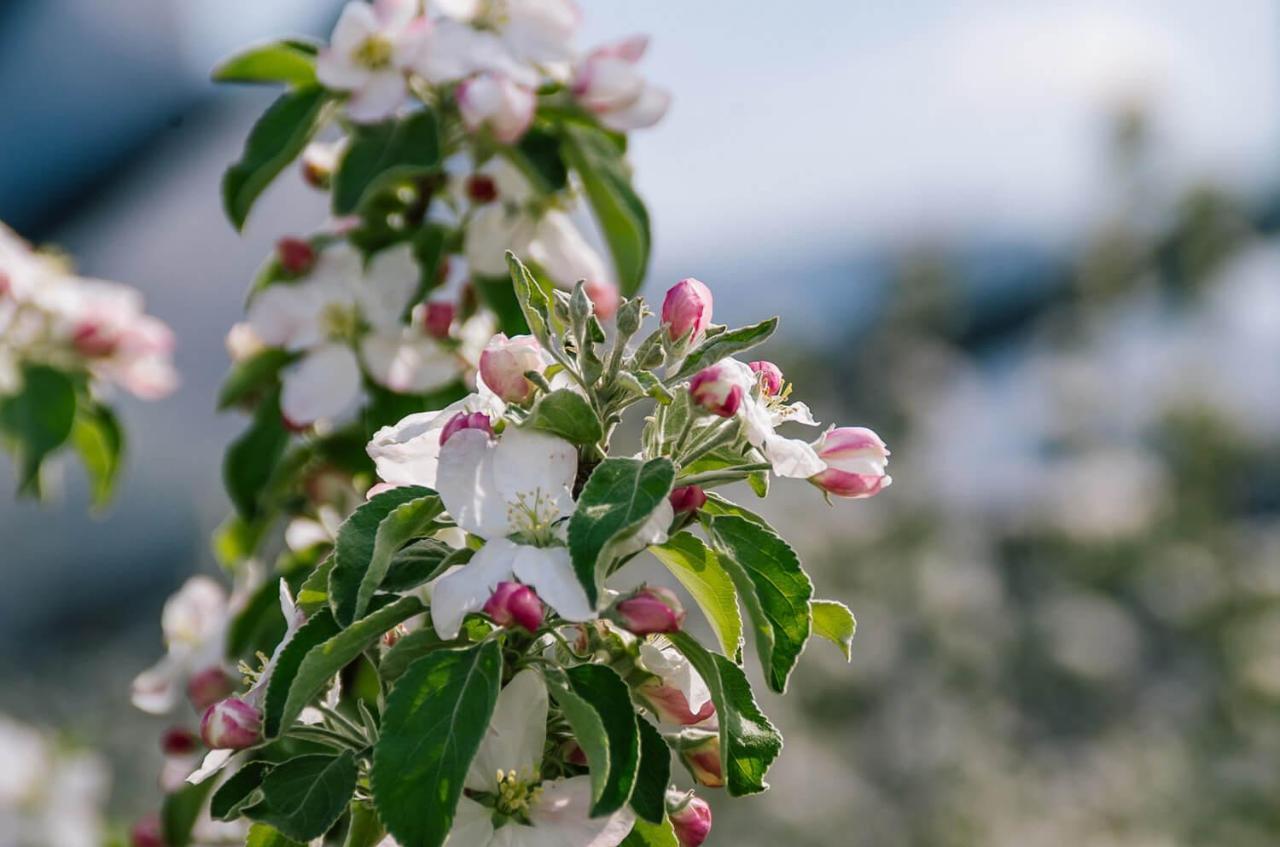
(721, 476)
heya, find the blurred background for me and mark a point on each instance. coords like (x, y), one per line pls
(1034, 245)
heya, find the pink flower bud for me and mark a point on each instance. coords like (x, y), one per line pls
(147, 832)
(770, 376)
(513, 604)
(231, 724)
(688, 498)
(208, 686)
(465, 420)
(649, 610)
(670, 705)
(94, 340)
(604, 296)
(717, 390)
(505, 361)
(481, 189)
(856, 460)
(497, 102)
(690, 818)
(437, 318)
(687, 310)
(295, 255)
(179, 741)
(703, 760)
(573, 753)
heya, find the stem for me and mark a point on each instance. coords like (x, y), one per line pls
(715, 437)
(725, 475)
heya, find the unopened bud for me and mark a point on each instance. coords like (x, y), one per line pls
(147, 832)
(295, 255)
(857, 461)
(437, 318)
(179, 741)
(504, 362)
(688, 498)
(495, 101)
(513, 604)
(690, 818)
(466, 420)
(630, 314)
(604, 297)
(648, 610)
(93, 340)
(481, 189)
(208, 686)
(702, 757)
(231, 724)
(717, 390)
(770, 376)
(686, 310)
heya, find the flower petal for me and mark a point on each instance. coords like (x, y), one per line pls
(408, 452)
(533, 465)
(378, 98)
(516, 735)
(460, 592)
(472, 825)
(155, 690)
(390, 280)
(408, 362)
(560, 248)
(322, 385)
(645, 111)
(465, 480)
(561, 816)
(791, 457)
(550, 571)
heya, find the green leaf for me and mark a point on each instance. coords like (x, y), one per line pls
(325, 661)
(537, 155)
(261, 835)
(252, 458)
(259, 625)
(619, 496)
(566, 414)
(834, 622)
(369, 538)
(313, 594)
(100, 443)
(748, 742)
(287, 62)
(700, 572)
(598, 706)
(420, 562)
(364, 830)
(430, 245)
(717, 505)
(646, 834)
(180, 811)
(38, 420)
(534, 303)
(649, 797)
(254, 375)
(774, 589)
(304, 797)
(726, 344)
(275, 141)
(622, 217)
(435, 719)
(318, 629)
(241, 789)
(383, 153)
(497, 293)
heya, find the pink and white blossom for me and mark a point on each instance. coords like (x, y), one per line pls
(690, 818)
(371, 48)
(675, 693)
(194, 622)
(504, 363)
(608, 84)
(856, 460)
(686, 311)
(497, 103)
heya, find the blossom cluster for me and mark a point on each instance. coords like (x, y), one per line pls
(65, 342)
(467, 659)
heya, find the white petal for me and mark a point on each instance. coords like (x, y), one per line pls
(466, 590)
(407, 452)
(356, 23)
(378, 98)
(561, 817)
(516, 733)
(677, 671)
(646, 111)
(337, 71)
(652, 531)
(465, 480)
(550, 571)
(472, 825)
(212, 764)
(562, 251)
(322, 385)
(796, 413)
(390, 280)
(155, 690)
(493, 231)
(408, 362)
(791, 457)
(287, 315)
(541, 31)
(533, 465)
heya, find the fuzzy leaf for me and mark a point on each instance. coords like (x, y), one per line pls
(318, 629)
(700, 572)
(566, 414)
(243, 788)
(726, 344)
(597, 704)
(649, 797)
(305, 796)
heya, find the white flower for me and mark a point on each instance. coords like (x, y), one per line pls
(790, 457)
(408, 452)
(517, 38)
(551, 240)
(608, 84)
(369, 50)
(528, 811)
(339, 304)
(194, 623)
(513, 492)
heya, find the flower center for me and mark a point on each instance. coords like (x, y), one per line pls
(340, 321)
(516, 795)
(532, 517)
(374, 53)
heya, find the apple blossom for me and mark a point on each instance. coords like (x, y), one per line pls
(208, 686)
(686, 310)
(370, 49)
(856, 458)
(690, 818)
(718, 390)
(648, 610)
(770, 376)
(495, 102)
(606, 83)
(408, 452)
(686, 499)
(674, 691)
(504, 363)
(513, 604)
(515, 37)
(466, 420)
(231, 724)
(194, 622)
